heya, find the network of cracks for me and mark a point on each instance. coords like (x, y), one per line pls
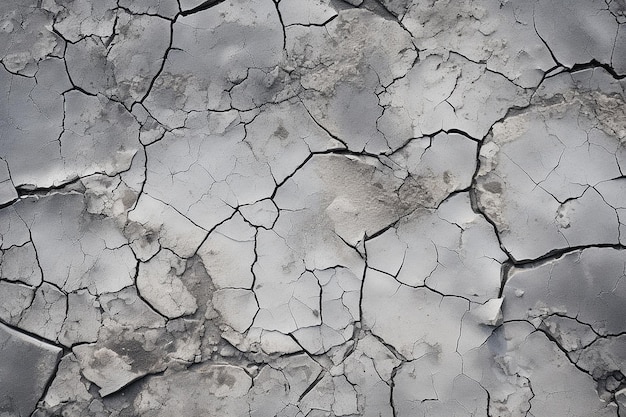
(313, 208)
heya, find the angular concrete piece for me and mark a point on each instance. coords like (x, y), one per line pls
(462, 95)
(26, 366)
(342, 78)
(588, 286)
(67, 385)
(547, 161)
(105, 368)
(95, 253)
(501, 35)
(26, 37)
(433, 322)
(213, 389)
(229, 253)
(158, 281)
(451, 250)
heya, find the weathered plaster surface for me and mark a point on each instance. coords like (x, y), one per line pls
(313, 208)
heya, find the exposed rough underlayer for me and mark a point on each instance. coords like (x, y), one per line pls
(313, 208)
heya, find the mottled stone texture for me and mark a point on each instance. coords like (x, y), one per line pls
(307, 208)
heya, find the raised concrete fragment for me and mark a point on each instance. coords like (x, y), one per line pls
(26, 366)
(546, 162)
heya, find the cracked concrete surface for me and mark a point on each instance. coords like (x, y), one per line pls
(313, 208)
